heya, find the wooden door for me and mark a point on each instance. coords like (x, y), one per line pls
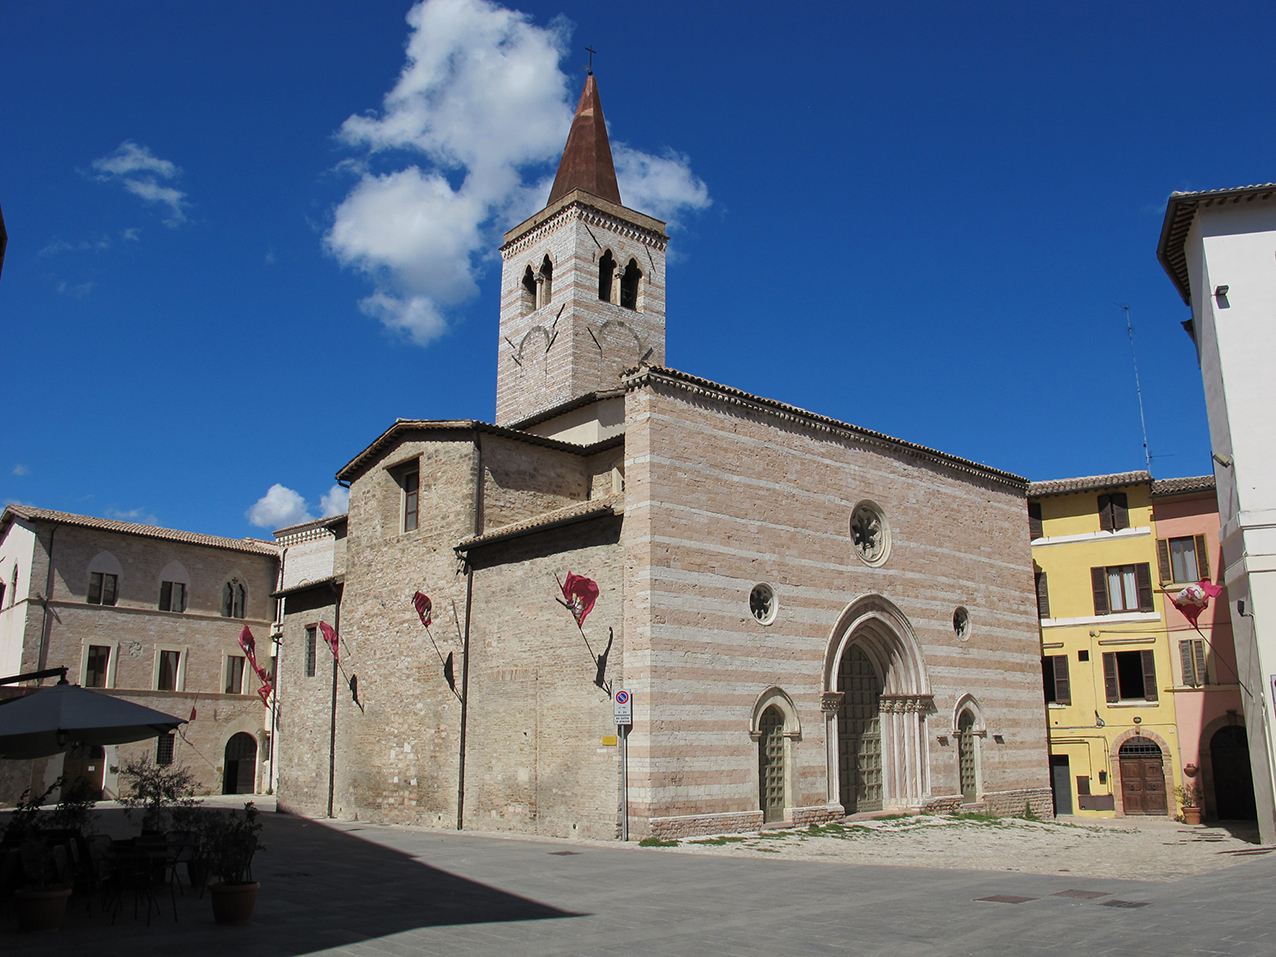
(1142, 777)
(859, 732)
(771, 765)
(1233, 779)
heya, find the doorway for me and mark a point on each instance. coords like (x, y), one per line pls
(1142, 777)
(966, 769)
(240, 769)
(859, 732)
(1061, 783)
(771, 765)
(1233, 778)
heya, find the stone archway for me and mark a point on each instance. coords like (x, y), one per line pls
(876, 701)
(239, 774)
(1138, 766)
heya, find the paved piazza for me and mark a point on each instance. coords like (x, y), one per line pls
(926, 886)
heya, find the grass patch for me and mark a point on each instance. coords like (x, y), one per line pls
(719, 841)
(894, 817)
(976, 817)
(656, 842)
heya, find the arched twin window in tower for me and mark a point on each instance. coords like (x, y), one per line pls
(538, 285)
(620, 285)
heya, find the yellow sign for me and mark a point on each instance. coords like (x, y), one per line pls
(609, 740)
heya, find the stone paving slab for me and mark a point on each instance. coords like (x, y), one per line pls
(360, 890)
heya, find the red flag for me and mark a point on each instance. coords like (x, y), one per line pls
(264, 693)
(423, 607)
(579, 595)
(192, 718)
(247, 643)
(331, 638)
(1194, 599)
(262, 673)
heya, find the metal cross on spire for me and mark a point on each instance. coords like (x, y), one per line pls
(591, 51)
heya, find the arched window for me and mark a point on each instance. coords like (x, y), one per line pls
(606, 273)
(529, 290)
(545, 280)
(105, 572)
(174, 587)
(771, 764)
(629, 282)
(233, 599)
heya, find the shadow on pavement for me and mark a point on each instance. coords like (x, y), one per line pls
(321, 888)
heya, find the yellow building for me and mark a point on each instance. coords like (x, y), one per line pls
(1106, 662)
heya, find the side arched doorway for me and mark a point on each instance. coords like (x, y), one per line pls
(239, 772)
(771, 790)
(1142, 777)
(1233, 778)
(967, 769)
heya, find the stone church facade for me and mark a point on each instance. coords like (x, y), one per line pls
(813, 619)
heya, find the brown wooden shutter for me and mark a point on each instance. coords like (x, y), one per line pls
(1120, 511)
(1198, 655)
(1189, 664)
(1043, 596)
(1062, 687)
(1105, 513)
(1099, 582)
(1202, 556)
(1034, 520)
(1149, 674)
(1110, 677)
(1163, 560)
(1143, 572)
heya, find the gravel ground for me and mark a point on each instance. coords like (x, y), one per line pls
(1143, 849)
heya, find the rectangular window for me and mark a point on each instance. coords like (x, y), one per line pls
(164, 748)
(1129, 675)
(235, 674)
(102, 588)
(1035, 530)
(172, 596)
(168, 663)
(1054, 671)
(1119, 588)
(311, 637)
(411, 500)
(96, 669)
(1183, 559)
(1114, 512)
(1192, 654)
(1043, 595)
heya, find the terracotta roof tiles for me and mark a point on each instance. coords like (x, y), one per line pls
(254, 545)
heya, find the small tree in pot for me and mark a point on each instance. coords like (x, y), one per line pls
(1191, 802)
(231, 841)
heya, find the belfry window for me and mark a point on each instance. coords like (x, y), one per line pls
(629, 281)
(606, 273)
(529, 290)
(545, 283)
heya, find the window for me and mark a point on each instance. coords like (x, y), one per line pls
(1129, 675)
(1119, 588)
(1183, 559)
(1054, 672)
(762, 603)
(310, 650)
(1043, 595)
(168, 665)
(629, 280)
(172, 596)
(961, 623)
(95, 670)
(102, 588)
(1083, 654)
(164, 748)
(411, 500)
(1114, 512)
(529, 290)
(235, 674)
(606, 273)
(1192, 654)
(1035, 529)
(233, 600)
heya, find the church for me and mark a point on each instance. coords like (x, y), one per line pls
(811, 619)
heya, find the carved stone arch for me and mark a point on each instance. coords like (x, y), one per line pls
(1168, 754)
(779, 698)
(530, 338)
(174, 571)
(106, 562)
(968, 702)
(888, 639)
(608, 287)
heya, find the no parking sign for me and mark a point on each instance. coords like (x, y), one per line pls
(623, 707)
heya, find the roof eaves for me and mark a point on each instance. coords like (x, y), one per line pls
(580, 512)
(1192, 484)
(1087, 483)
(253, 546)
(329, 581)
(1180, 210)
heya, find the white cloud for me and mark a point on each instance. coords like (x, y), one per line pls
(335, 502)
(279, 508)
(61, 246)
(138, 515)
(139, 171)
(480, 109)
(131, 235)
(21, 470)
(77, 289)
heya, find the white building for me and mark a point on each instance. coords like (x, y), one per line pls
(1219, 248)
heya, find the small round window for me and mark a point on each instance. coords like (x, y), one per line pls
(762, 603)
(961, 623)
(870, 534)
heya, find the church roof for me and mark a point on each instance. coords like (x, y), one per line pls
(645, 374)
(27, 513)
(579, 512)
(1179, 213)
(586, 162)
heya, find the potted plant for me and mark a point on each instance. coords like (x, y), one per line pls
(41, 900)
(231, 841)
(157, 790)
(1191, 802)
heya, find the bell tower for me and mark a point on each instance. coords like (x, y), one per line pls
(582, 285)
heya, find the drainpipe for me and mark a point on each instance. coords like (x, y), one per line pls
(276, 641)
(332, 729)
(465, 641)
(45, 626)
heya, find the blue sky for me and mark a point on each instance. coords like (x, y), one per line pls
(235, 257)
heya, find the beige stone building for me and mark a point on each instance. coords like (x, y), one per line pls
(813, 619)
(148, 614)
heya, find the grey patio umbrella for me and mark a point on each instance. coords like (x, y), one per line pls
(54, 719)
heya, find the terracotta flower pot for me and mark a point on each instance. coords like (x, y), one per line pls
(41, 908)
(1191, 815)
(233, 903)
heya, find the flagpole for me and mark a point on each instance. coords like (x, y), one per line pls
(332, 726)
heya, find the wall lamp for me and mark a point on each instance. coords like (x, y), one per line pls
(1221, 291)
(1240, 609)
(1223, 460)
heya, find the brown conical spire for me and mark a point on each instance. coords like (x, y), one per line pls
(586, 162)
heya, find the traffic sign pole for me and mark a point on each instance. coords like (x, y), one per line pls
(623, 710)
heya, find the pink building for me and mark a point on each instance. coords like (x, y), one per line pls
(1207, 699)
